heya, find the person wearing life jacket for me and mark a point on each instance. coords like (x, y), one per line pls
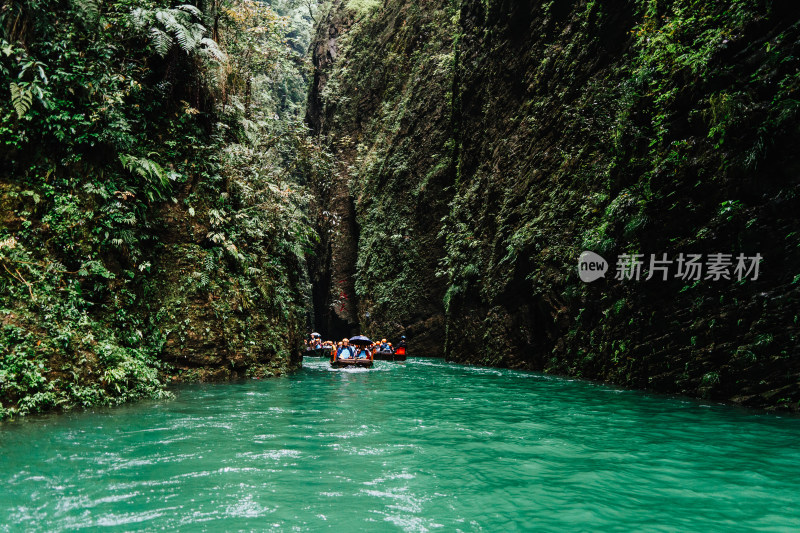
(385, 347)
(363, 352)
(400, 349)
(346, 351)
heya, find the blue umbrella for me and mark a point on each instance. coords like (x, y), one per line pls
(360, 340)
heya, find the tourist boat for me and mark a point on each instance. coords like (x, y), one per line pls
(397, 355)
(324, 351)
(351, 363)
(358, 340)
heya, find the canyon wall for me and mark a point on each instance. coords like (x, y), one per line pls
(485, 145)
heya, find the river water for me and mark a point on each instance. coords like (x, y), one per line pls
(420, 446)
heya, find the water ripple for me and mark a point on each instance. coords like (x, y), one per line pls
(422, 446)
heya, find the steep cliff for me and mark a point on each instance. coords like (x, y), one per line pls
(151, 225)
(382, 100)
(509, 137)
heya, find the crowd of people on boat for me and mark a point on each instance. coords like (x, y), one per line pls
(316, 343)
(344, 349)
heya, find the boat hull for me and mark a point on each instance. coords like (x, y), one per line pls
(389, 356)
(350, 363)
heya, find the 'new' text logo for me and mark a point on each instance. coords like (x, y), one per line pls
(591, 267)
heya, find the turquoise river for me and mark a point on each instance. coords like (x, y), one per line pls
(420, 446)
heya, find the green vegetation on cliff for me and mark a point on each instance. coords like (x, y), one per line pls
(382, 99)
(151, 222)
(160, 197)
(534, 131)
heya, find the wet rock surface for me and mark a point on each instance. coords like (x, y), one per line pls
(486, 145)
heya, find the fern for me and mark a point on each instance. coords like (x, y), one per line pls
(209, 265)
(155, 178)
(90, 9)
(186, 37)
(192, 10)
(56, 266)
(168, 27)
(148, 169)
(124, 237)
(211, 50)
(140, 18)
(161, 41)
(21, 99)
(128, 237)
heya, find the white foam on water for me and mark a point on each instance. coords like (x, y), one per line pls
(247, 508)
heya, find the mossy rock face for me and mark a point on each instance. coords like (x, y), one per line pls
(578, 130)
(545, 129)
(382, 99)
(11, 202)
(212, 330)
